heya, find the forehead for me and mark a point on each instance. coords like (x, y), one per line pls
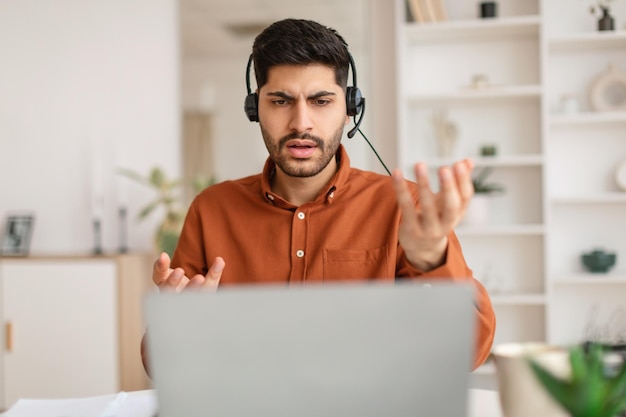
(313, 76)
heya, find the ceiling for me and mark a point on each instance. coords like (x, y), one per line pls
(207, 25)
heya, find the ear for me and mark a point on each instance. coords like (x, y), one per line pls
(347, 120)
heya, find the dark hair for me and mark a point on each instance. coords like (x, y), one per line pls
(300, 42)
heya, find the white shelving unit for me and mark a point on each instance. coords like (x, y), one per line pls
(585, 208)
(558, 169)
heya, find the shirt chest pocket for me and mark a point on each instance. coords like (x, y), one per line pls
(351, 264)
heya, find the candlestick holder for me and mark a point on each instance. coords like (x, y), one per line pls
(97, 237)
(123, 230)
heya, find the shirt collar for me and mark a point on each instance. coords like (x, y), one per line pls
(327, 195)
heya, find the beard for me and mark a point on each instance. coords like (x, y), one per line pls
(302, 168)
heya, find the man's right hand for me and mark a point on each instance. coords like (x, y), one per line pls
(168, 279)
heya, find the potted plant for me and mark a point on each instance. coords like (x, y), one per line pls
(596, 387)
(477, 212)
(168, 197)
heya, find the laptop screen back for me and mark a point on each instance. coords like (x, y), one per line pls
(332, 350)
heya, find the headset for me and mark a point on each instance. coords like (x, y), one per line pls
(355, 102)
(355, 105)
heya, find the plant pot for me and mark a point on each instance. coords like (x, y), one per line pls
(488, 9)
(477, 213)
(606, 21)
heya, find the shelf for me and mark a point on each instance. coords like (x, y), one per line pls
(487, 93)
(496, 230)
(588, 41)
(588, 118)
(591, 279)
(605, 198)
(518, 299)
(455, 30)
(494, 161)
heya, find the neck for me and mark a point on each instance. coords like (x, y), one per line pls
(302, 190)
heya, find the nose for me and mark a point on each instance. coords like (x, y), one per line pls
(301, 120)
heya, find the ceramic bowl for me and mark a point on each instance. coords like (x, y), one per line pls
(598, 261)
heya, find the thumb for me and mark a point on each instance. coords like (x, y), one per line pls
(161, 269)
(215, 274)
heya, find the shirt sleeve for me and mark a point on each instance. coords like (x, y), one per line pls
(189, 254)
(455, 268)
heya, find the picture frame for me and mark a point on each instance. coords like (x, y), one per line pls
(18, 230)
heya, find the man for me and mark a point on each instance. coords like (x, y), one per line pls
(309, 217)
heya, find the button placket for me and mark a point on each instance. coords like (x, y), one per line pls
(299, 238)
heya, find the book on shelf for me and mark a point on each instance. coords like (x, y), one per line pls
(423, 11)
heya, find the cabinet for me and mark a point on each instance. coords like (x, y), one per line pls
(557, 169)
(71, 326)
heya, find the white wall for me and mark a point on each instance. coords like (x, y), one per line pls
(75, 73)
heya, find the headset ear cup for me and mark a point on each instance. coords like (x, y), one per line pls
(354, 101)
(251, 107)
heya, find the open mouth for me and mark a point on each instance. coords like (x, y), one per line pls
(301, 148)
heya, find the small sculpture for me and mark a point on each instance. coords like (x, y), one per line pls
(446, 133)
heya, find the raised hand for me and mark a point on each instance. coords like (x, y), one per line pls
(168, 279)
(424, 229)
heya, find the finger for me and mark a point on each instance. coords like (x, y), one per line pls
(175, 281)
(451, 205)
(428, 206)
(161, 269)
(405, 201)
(196, 282)
(215, 274)
(463, 176)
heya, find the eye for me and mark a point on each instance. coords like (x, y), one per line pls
(279, 102)
(322, 101)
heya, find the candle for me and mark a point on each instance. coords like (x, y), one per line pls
(121, 162)
(97, 177)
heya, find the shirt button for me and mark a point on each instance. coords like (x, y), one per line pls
(301, 215)
(300, 253)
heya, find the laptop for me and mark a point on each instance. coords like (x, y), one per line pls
(313, 351)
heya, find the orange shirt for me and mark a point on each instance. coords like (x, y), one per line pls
(350, 232)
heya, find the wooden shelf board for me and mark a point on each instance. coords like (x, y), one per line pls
(588, 41)
(495, 161)
(591, 118)
(616, 197)
(518, 299)
(453, 30)
(506, 230)
(486, 93)
(612, 277)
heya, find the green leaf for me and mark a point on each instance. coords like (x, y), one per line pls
(558, 388)
(157, 177)
(591, 390)
(148, 209)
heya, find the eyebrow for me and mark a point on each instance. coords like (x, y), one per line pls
(286, 96)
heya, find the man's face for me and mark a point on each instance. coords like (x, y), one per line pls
(302, 113)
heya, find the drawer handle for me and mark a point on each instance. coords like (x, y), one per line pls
(8, 336)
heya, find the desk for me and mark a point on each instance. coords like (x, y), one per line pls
(482, 403)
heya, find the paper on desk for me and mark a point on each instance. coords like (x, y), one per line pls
(131, 404)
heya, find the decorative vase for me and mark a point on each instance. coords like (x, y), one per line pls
(488, 9)
(598, 261)
(606, 21)
(477, 213)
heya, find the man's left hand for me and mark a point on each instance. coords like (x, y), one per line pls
(424, 229)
